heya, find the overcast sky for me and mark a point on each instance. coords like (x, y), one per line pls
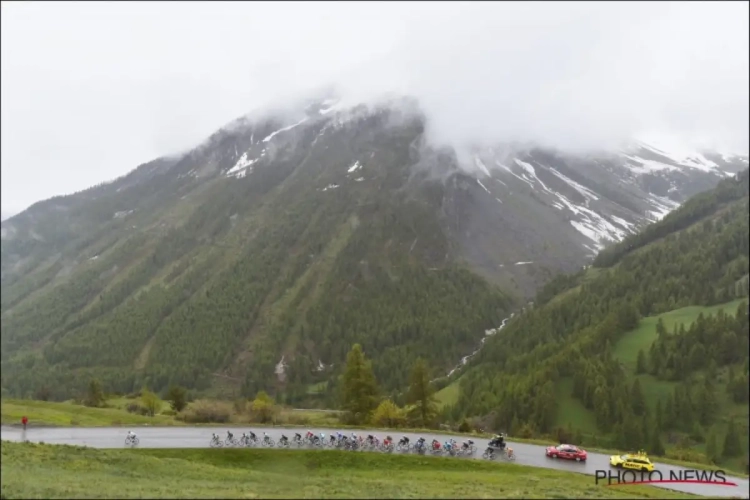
(91, 90)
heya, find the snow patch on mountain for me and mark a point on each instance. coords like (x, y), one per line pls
(285, 129)
(240, 168)
(585, 192)
(354, 167)
(483, 186)
(481, 166)
(640, 166)
(530, 169)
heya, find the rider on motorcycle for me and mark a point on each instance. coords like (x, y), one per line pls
(498, 441)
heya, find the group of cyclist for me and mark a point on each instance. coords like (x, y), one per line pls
(341, 440)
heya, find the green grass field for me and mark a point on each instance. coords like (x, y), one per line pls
(448, 395)
(65, 414)
(570, 411)
(626, 350)
(47, 471)
(71, 414)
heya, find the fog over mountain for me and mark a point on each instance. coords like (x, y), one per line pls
(91, 90)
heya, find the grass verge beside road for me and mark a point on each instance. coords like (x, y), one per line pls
(45, 413)
(48, 471)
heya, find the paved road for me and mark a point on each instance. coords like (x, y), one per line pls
(199, 437)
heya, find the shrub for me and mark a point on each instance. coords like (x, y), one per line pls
(264, 409)
(387, 414)
(526, 431)
(204, 411)
(169, 413)
(151, 402)
(465, 426)
(177, 397)
(136, 408)
(687, 455)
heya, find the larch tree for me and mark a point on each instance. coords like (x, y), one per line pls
(421, 395)
(359, 388)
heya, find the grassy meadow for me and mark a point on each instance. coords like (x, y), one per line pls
(48, 471)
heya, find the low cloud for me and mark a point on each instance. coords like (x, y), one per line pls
(91, 90)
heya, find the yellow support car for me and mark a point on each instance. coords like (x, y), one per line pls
(633, 461)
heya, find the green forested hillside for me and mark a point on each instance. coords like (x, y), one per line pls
(224, 278)
(586, 357)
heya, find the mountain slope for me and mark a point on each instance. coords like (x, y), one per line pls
(259, 257)
(570, 359)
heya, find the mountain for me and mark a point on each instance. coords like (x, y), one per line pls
(257, 258)
(650, 343)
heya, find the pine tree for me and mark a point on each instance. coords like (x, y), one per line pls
(732, 446)
(659, 417)
(640, 366)
(177, 397)
(706, 402)
(632, 432)
(637, 400)
(421, 395)
(670, 413)
(359, 389)
(661, 330)
(656, 447)
(712, 448)
(94, 395)
(601, 408)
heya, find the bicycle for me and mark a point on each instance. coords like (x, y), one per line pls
(268, 442)
(131, 441)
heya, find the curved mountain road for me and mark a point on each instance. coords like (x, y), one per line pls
(199, 437)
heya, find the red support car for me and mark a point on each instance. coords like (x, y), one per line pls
(567, 452)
